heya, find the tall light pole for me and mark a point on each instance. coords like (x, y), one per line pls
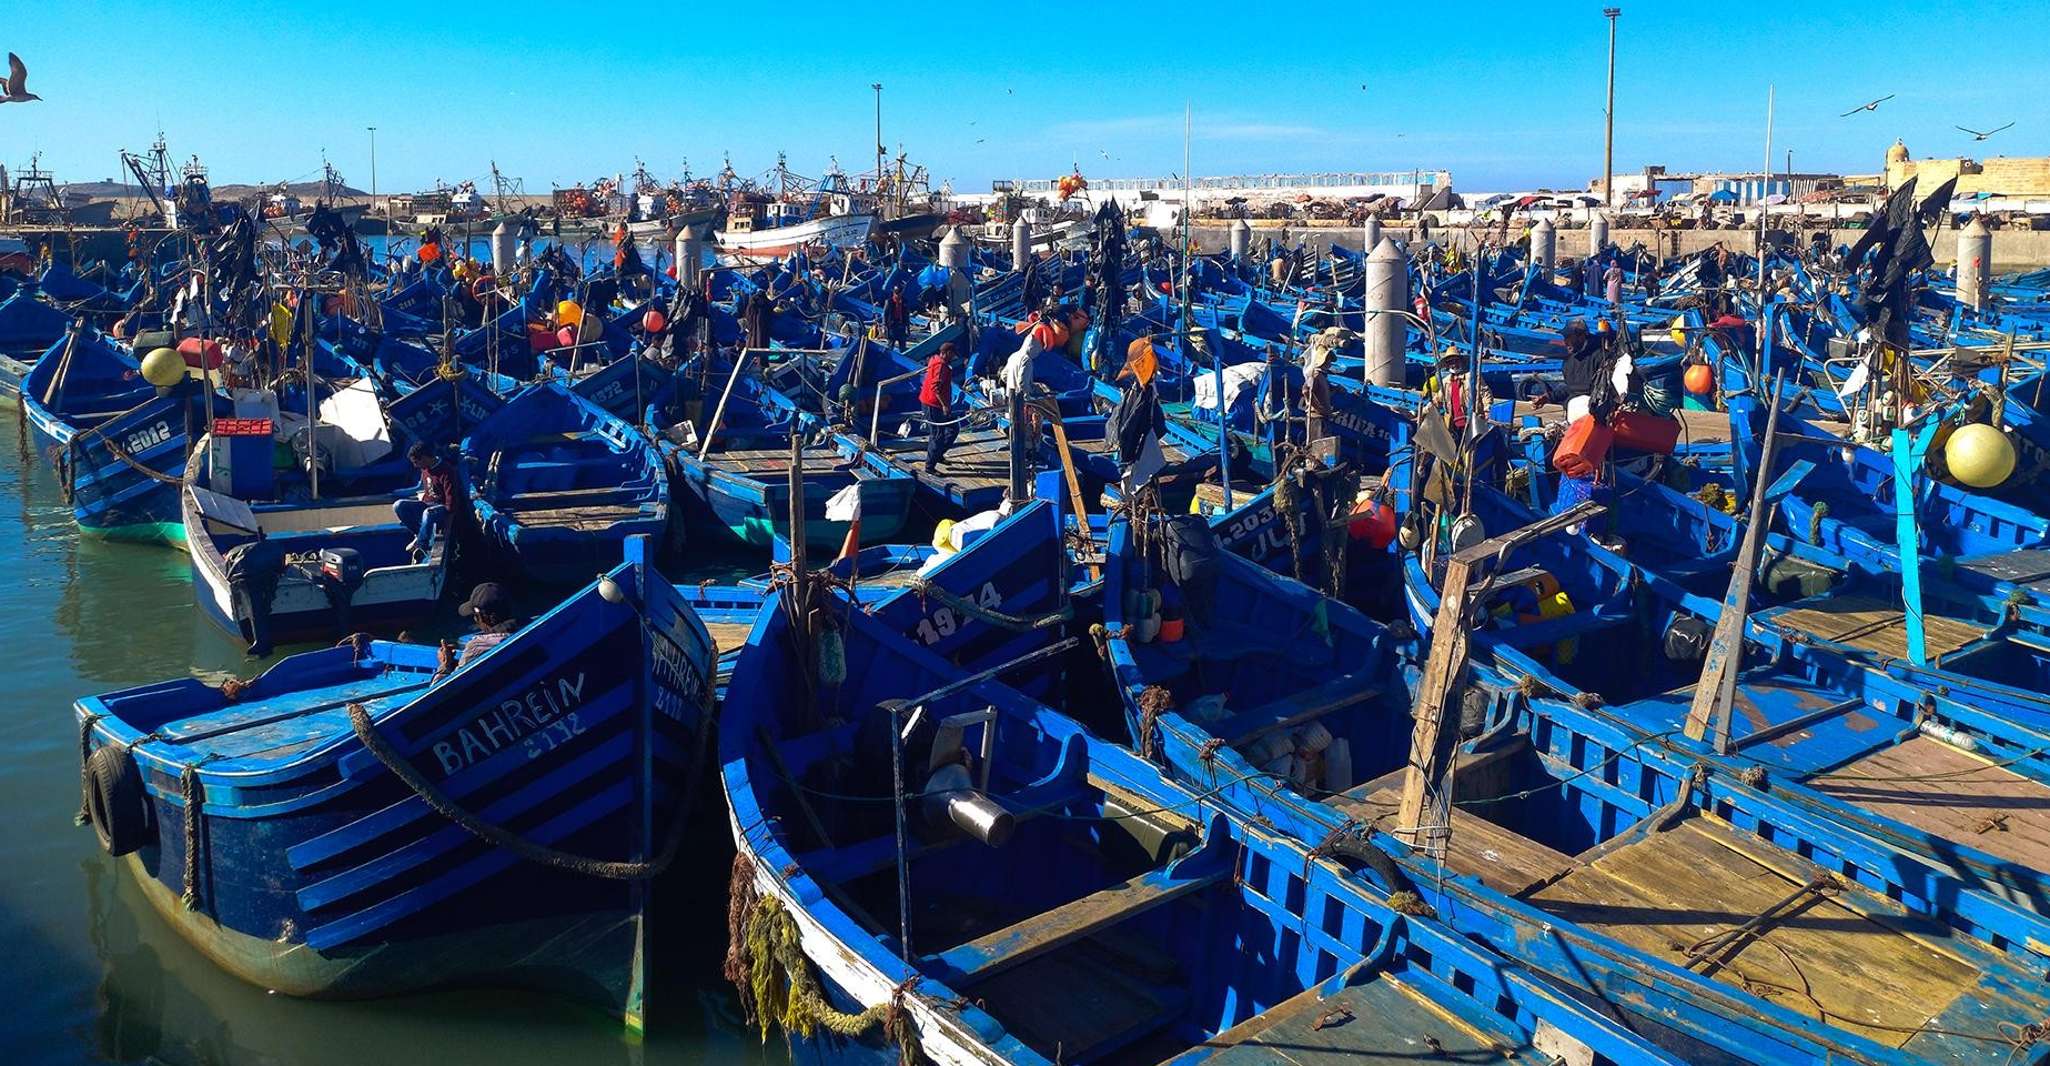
(373, 169)
(1609, 138)
(878, 87)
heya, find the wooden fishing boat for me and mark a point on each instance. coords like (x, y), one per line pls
(740, 483)
(286, 565)
(28, 328)
(117, 443)
(1040, 896)
(1574, 831)
(374, 819)
(559, 484)
(743, 238)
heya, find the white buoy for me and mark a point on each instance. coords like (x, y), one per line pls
(1544, 244)
(1241, 238)
(1974, 263)
(1371, 234)
(1597, 233)
(1021, 244)
(502, 242)
(1387, 290)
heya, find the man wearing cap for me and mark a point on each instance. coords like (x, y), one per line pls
(491, 609)
(429, 512)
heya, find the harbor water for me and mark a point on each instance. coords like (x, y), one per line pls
(89, 973)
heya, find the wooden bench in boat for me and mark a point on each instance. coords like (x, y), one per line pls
(1380, 1019)
(757, 462)
(1079, 1005)
(1822, 953)
(1954, 794)
(1876, 626)
(990, 954)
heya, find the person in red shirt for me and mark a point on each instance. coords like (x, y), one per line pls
(430, 511)
(936, 395)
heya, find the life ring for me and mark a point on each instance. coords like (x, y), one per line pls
(115, 800)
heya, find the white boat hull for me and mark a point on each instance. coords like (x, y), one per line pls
(838, 231)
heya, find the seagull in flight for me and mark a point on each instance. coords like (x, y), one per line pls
(1977, 136)
(15, 89)
(1870, 105)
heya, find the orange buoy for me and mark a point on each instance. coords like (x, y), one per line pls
(1373, 522)
(1699, 379)
(654, 321)
(430, 253)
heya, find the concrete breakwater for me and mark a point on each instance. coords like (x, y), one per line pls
(2013, 249)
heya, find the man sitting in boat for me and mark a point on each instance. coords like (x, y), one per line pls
(429, 513)
(492, 610)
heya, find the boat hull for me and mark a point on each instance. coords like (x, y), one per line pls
(313, 869)
(839, 231)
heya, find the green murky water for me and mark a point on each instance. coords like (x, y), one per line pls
(88, 973)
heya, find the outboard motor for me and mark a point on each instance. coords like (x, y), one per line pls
(340, 575)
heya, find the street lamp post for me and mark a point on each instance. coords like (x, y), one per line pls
(1609, 113)
(373, 170)
(878, 87)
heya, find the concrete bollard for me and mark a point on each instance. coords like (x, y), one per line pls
(954, 249)
(1544, 244)
(1597, 233)
(1974, 263)
(1371, 235)
(1241, 239)
(1021, 244)
(690, 256)
(1387, 334)
(502, 242)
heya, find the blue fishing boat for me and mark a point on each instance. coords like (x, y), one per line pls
(28, 328)
(117, 443)
(1023, 892)
(559, 484)
(1576, 832)
(281, 563)
(374, 818)
(740, 479)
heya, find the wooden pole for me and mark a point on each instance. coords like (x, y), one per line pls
(1430, 746)
(740, 364)
(1717, 689)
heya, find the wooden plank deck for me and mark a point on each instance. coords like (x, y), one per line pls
(581, 519)
(1817, 957)
(1502, 859)
(1954, 794)
(727, 636)
(764, 461)
(1878, 627)
(1384, 1019)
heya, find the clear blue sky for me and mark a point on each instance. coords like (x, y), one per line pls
(1503, 95)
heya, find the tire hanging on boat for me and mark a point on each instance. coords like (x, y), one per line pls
(115, 801)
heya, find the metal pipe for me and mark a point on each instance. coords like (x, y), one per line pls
(1609, 114)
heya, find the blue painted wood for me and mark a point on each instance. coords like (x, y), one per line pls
(320, 873)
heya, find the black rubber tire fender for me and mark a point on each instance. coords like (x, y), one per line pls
(116, 801)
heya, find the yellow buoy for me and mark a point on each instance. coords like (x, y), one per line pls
(943, 536)
(1679, 331)
(1979, 455)
(568, 313)
(163, 367)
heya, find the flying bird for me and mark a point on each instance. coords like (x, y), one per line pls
(15, 89)
(1104, 153)
(1870, 105)
(979, 140)
(1977, 136)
